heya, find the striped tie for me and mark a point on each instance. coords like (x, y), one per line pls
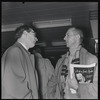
(76, 61)
(64, 71)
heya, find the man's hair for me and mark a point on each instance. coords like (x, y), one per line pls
(19, 31)
(79, 32)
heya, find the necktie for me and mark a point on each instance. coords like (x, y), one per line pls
(64, 71)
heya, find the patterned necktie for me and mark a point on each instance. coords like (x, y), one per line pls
(64, 71)
(76, 61)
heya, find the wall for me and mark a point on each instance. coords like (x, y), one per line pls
(80, 19)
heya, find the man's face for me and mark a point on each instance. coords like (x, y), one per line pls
(31, 38)
(70, 38)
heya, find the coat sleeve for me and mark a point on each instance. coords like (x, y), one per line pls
(93, 87)
(14, 83)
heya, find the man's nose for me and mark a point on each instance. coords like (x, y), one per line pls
(36, 39)
(65, 38)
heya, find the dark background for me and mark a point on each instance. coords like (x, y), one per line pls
(17, 12)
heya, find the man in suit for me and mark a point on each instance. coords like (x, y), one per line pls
(19, 77)
(61, 84)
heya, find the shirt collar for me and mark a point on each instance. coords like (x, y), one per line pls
(23, 45)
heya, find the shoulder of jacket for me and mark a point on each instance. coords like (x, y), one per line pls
(47, 60)
(91, 56)
(60, 60)
(12, 49)
(88, 54)
(64, 55)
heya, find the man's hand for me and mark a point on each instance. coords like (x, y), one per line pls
(80, 77)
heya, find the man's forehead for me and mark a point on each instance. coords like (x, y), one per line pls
(70, 31)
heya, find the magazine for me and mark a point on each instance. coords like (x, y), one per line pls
(83, 73)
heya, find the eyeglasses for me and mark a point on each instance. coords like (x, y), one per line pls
(69, 35)
(33, 33)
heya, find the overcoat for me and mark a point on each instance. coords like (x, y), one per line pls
(85, 91)
(19, 77)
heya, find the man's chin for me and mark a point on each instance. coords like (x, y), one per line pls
(67, 45)
(32, 45)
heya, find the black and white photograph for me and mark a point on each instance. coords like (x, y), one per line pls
(40, 41)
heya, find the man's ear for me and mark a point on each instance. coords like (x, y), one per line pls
(77, 36)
